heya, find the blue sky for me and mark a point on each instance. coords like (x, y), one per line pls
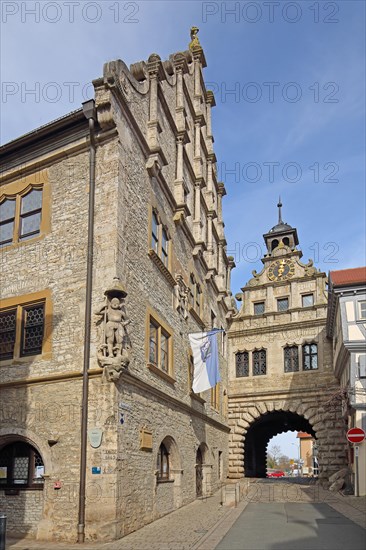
(292, 126)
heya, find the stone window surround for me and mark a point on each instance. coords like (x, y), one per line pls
(215, 397)
(258, 350)
(290, 347)
(282, 299)
(18, 303)
(21, 188)
(248, 362)
(151, 315)
(302, 355)
(162, 228)
(163, 474)
(307, 294)
(258, 303)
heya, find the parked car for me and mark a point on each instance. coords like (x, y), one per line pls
(277, 473)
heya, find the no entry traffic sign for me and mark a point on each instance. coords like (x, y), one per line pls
(355, 435)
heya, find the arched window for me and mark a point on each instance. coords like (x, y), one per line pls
(163, 463)
(286, 241)
(291, 358)
(259, 362)
(242, 363)
(21, 466)
(274, 244)
(310, 356)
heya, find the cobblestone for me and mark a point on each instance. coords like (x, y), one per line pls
(202, 524)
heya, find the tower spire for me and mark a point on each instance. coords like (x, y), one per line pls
(279, 205)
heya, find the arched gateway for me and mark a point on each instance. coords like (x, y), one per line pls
(280, 361)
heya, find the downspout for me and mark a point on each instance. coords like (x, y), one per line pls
(90, 114)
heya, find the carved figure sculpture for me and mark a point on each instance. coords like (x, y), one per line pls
(194, 43)
(113, 353)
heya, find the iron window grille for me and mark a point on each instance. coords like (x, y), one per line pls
(259, 362)
(282, 304)
(30, 319)
(22, 467)
(310, 357)
(242, 364)
(291, 359)
(307, 300)
(259, 308)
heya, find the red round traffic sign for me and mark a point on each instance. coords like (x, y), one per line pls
(355, 435)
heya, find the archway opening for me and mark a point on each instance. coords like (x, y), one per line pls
(261, 431)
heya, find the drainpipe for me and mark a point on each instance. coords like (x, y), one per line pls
(90, 114)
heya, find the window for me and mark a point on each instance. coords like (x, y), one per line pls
(159, 241)
(163, 463)
(259, 362)
(310, 357)
(259, 308)
(22, 330)
(242, 363)
(282, 304)
(20, 217)
(215, 397)
(195, 295)
(160, 350)
(21, 466)
(291, 359)
(362, 310)
(307, 300)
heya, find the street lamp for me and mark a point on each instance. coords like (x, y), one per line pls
(298, 459)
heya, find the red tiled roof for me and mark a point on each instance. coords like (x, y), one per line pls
(303, 435)
(345, 277)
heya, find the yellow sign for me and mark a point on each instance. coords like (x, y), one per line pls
(292, 461)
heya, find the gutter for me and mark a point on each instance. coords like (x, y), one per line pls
(90, 113)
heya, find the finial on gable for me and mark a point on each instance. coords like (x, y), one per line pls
(279, 205)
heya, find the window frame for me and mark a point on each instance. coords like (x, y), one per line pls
(311, 355)
(163, 457)
(360, 317)
(32, 454)
(159, 243)
(292, 348)
(307, 296)
(256, 304)
(20, 304)
(195, 295)
(283, 299)
(262, 350)
(242, 352)
(17, 191)
(161, 329)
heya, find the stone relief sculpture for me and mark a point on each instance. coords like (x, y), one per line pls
(181, 296)
(113, 351)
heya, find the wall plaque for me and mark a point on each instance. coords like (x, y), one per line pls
(145, 439)
(95, 437)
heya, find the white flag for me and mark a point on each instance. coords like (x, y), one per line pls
(205, 360)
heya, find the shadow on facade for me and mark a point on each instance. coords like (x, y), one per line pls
(26, 438)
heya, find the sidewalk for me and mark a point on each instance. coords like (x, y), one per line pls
(202, 524)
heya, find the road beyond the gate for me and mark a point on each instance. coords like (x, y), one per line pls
(293, 526)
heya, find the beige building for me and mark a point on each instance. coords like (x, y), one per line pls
(308, 459)
(347, 329)
(280, 361)
(113, 251)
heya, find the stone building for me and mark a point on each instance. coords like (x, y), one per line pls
(117, 202)
(346, 326)
(280, 361)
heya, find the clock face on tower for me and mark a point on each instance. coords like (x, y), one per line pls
(280, 270)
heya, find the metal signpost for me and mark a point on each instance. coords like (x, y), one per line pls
(356, 435)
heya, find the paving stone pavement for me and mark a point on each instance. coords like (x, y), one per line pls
(202, 524)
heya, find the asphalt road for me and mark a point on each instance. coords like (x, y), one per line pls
(293, 526)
